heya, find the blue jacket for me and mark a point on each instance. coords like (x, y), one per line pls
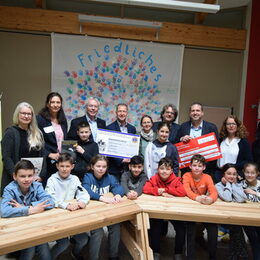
(97, 187)
(115, 127)
(207, 128)
(35, 196)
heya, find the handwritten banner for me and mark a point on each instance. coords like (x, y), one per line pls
(144, 75)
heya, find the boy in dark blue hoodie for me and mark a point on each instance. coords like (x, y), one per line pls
(85, 149)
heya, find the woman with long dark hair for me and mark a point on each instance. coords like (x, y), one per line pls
(53, 124)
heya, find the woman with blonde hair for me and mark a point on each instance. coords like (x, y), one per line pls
(22, 140)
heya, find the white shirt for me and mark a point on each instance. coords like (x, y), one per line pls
(229, 151)
(93, 127)
(196, 131)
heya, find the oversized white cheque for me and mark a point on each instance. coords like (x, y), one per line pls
(117, 144)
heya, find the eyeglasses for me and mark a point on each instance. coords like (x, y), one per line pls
(168, 112)
(26, 114)
(250, 173)
(230, 124)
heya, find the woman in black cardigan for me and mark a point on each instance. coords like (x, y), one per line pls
(234, 145)
(22, 140)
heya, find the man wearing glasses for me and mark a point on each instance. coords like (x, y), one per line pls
(168, 115)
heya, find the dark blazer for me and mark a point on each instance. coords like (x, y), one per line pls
(72, 134)
(207, 128)
(11, 155)
(244, 154)
(50, 138)
(115, 127)
(173, 133)
(116, 167)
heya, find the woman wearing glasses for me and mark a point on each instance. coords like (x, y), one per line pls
(53, 124)
(22, 140)
(234, 145)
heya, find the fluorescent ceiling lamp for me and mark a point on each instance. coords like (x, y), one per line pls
(168, 4)
(119, 21)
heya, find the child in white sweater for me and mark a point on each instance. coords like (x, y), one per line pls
(64, 187)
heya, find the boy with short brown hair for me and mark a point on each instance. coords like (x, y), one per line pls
(200, 187)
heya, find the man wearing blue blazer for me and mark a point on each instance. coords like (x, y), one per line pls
(116, 165)
(91, 118)
(196, 127)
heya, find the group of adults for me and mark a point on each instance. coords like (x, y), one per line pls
(42, 136)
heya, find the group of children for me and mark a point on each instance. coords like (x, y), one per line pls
(72, 192)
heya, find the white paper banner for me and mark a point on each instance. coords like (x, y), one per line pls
(144, 75)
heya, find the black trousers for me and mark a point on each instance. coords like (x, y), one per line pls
(212, 231)
(253, 234)
(155, 232)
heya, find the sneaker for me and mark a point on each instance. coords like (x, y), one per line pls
(156, 256)
(225, 238)
(221, 233)
(178, 257)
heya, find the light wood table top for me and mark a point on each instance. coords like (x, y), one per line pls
(183, 208)
(22, 232)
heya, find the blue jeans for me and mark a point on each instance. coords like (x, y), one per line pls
(96, 240)
(43, 252)
(62, 244)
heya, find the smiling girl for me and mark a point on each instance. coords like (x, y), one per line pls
(232, 191)
(160, 148)
(251, 187)
(98, 183)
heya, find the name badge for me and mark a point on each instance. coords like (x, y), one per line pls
(48, 129)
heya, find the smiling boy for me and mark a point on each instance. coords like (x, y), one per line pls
(166, 184)
(64, 187)
(86, 148)
(133, 180)
(23, 197)
(200, 187)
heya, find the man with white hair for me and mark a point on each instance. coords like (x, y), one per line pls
(91, 118)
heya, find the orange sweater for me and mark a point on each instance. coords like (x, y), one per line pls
(203, 187)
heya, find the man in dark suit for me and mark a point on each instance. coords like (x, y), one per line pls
(91, 118)
(193, 128)
(116, 165)
(169, 114)
(196, 127)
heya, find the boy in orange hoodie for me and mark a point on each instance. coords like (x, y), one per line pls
(200, 187)
(165, 184)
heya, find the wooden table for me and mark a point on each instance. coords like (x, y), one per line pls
(22, 232)
(183, 208)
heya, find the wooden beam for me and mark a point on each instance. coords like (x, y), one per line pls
(39, 20)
